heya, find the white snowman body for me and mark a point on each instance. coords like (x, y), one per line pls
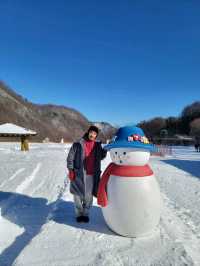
(134, 203)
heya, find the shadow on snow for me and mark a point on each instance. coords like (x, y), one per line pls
(191, 167)
(32, 213)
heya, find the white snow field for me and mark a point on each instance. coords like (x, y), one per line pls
(37, 225)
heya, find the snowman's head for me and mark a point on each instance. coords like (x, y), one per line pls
(129, 156)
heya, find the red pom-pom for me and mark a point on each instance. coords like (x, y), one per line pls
(136, 137)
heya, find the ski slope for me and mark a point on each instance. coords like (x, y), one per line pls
(37, 225)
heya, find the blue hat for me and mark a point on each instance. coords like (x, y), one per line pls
(130, 137)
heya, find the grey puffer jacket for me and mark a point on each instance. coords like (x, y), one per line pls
(76, 161)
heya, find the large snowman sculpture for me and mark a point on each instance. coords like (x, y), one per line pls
(128, 191)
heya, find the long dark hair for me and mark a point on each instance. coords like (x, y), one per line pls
(85, 136)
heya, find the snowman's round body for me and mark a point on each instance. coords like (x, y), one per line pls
(134, 203)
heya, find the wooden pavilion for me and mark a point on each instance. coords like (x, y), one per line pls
(12, 130)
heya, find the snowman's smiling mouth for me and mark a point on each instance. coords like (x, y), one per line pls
(121, 161)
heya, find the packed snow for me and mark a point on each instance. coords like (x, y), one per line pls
(9, 128)
(37, 224)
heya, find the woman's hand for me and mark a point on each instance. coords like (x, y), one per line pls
(71, 175)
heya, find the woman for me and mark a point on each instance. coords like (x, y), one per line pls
(84, 165)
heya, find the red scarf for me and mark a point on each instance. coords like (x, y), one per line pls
(119, 170)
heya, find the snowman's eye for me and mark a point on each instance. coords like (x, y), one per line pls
(124, 153)
(116, 152)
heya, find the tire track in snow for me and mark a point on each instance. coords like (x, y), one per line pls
(28, 180)
(22, 186)
(13, 176)
(182, 232)
(38, 187)
(18, 172)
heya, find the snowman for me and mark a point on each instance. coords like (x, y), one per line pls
(128, 191)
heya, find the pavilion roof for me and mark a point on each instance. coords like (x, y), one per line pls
(9, 129)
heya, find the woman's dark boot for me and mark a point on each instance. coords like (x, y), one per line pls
(86, 219)
(80, 219)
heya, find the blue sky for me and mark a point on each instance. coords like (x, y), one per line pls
(115, 61)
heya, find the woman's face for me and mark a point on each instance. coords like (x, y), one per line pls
(92, 135)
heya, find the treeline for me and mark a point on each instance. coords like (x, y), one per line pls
(187, 124)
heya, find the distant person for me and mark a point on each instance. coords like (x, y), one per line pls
(84, 165)
(197, 144)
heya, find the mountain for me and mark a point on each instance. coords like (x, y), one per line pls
(52, 121)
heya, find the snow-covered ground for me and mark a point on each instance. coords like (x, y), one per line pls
(37, 225)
